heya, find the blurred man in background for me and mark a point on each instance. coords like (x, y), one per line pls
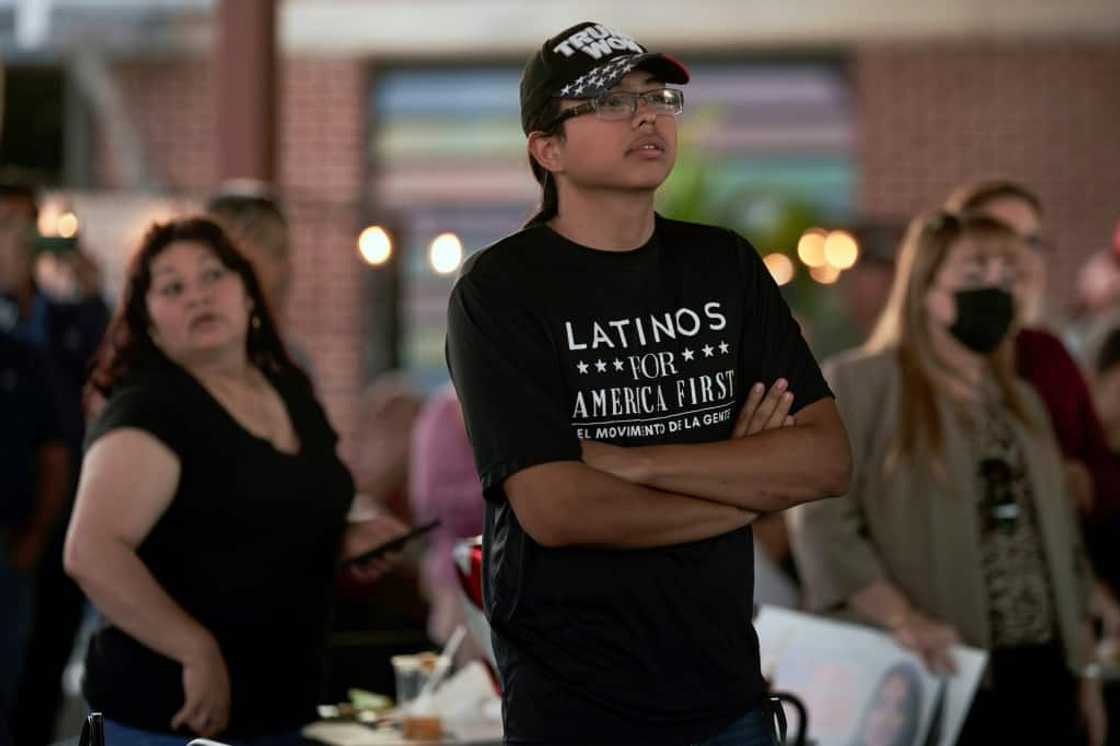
(63, 331)
(252, 215)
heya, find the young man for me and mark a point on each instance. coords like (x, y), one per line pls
(601, 355)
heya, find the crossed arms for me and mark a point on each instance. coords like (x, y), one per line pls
(670, 494)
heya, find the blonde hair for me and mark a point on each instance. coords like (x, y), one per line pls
(902, 326)
(976, 196)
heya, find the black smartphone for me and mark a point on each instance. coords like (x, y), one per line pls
(393, 545)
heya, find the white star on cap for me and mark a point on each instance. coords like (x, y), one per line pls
(582, 367)
(595, 81)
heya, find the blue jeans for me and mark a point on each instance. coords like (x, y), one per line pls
(17, 591)
(756, 728)
(118, 734)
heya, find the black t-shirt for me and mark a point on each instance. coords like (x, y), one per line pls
(550, 342)
(29, 419)
(248, 547)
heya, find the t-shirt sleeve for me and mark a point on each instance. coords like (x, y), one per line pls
(507, 375)
(773, 346)
(144, 409)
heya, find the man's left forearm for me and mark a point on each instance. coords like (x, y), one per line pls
(769, 471)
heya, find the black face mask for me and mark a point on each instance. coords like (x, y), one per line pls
(984, 316)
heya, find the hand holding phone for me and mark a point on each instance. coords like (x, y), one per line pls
(395, 544)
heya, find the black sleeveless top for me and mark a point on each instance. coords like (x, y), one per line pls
(247, 547)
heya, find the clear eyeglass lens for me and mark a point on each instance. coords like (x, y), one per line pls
(623, 104)
(617, 104)
(666, 100)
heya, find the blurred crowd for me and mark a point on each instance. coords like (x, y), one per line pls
(174, 434)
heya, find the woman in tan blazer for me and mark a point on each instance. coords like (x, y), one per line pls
(957, 526)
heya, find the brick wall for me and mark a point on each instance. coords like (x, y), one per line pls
(171, 110)
(932, 116)
(321, 168)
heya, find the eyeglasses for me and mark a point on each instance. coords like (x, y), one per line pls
(616, 105)
(987, 271)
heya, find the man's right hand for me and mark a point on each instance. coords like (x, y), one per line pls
(765, 412)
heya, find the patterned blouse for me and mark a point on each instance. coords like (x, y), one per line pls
(1020, 601)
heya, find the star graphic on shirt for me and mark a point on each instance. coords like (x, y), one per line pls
(618, 364)
(687, 354)
(582, 367)
(724, 347)
(600, 366)
(708, 350)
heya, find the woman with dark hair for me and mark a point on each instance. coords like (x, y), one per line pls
(211, 509)
(957, 526)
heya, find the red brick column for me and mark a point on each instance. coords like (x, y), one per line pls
(322, 166)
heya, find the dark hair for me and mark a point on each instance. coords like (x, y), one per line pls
(550, 198)
(128, 343)
(1109, 354)
(19, 190)
(978, 195)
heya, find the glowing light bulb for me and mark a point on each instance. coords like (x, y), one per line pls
(375, 245)
(810, 248)
(825, 274)
(446, 253)
(841, 250)
(67, 225)
(780, 266)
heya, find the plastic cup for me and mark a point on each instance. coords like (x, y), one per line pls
(412, 672)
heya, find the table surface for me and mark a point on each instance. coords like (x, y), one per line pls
(341, 733)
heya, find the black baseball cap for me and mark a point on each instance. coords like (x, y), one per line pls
(585, 61)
